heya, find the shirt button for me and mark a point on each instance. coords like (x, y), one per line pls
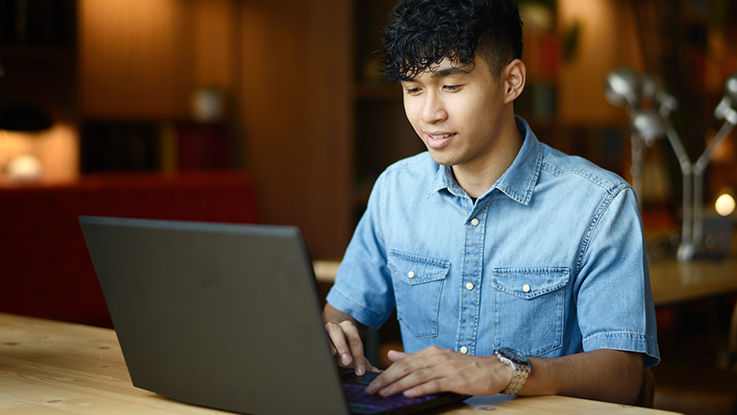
(475, 222)
(469, 286)
(464, 349)
(526, 288)
(411, 274)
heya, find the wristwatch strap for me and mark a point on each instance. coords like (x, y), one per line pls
(518, 380)
(521, 369)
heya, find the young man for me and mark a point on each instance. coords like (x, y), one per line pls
(513, 268)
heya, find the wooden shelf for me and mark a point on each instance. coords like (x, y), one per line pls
(35, 53)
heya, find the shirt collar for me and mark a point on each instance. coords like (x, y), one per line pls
(444, 179)
(517, 182)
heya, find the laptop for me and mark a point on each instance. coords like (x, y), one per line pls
(226, 316)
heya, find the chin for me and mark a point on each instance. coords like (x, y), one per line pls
(444, 160)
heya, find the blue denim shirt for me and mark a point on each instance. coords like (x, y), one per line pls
(549, 261)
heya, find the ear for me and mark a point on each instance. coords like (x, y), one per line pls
(514, 75)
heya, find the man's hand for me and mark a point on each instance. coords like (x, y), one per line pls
(345, 340)
(606, 375)
(433, 370)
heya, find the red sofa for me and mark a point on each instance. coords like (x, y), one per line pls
(45, 269)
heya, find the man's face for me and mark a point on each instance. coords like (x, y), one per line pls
(456, 109)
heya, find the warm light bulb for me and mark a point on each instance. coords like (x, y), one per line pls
(724, 205)
(24, 168)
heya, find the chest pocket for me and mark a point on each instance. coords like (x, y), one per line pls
(418, 283)
(529, 308)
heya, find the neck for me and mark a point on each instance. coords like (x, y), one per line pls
(477, 176)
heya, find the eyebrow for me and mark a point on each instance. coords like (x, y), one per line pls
(449, 71)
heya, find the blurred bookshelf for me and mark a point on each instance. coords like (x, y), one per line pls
(689, 47)
(381, 132)
(109, 145)
(38, 55)
(39, 28)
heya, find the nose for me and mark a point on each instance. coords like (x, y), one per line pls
(433, 109)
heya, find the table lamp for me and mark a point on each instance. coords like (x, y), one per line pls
(625, 87)
(25, 118)
(726, 110)
(622, 87)
(650, 125)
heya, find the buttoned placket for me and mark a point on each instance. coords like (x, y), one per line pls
(472, 274)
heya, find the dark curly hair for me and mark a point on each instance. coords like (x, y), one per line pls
(424, 32)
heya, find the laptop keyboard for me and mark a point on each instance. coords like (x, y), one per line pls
(358, 399)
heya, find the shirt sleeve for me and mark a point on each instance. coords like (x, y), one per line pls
(613, 294)
(363, 286)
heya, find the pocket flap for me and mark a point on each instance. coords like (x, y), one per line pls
(416, 269)
(529, 283)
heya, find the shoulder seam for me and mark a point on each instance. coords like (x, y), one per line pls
(609, 186)
(600, 211)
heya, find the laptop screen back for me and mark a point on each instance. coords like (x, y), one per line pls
(223, 316)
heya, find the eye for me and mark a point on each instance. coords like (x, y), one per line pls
(452, 88)
(413, 91)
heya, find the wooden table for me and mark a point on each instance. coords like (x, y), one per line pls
(62, 368)
(675, 282)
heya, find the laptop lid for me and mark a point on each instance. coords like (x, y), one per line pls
(217, 315)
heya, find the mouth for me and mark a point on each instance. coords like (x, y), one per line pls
(439, 139)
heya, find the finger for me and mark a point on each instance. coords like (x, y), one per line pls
(383, 383)
(409, 370)
(395, 355)
(396, 371)
(427, 388)
(355, 345)
(337, 337)
(413, 380)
